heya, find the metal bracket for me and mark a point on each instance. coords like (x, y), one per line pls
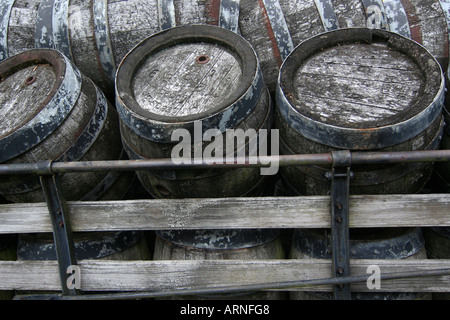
(62, 231)
(340, 176)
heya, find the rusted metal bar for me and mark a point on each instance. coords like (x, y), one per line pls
(239, 288)
(282, 160)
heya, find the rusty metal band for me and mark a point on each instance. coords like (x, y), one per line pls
(445, 4)
(375, 11)
(397, 18)
(102, 37)
(52, 26)
(400, 245)
(5, 13)
(48, 119)
(327, 14)
(166, 14)
(279, 27)
(222, 117)
(229, 15)
(106, 183)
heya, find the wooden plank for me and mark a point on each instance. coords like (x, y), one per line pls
(366, 211)
(191, 274)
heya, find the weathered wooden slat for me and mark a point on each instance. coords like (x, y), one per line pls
(366, 211)
(191, 274)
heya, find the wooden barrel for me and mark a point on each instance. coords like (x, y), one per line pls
(8, 245)
(192, 79)
(386, 243)
(391, 102)
(221, 245)
(51, 111)
(276, 27)
(125, 245)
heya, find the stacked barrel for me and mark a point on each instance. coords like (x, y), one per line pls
(52, 112)
(187, 86)
(107, 80)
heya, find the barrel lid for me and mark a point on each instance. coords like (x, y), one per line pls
(360, 88)
(219, 239)
(38, 90)
(186, 74)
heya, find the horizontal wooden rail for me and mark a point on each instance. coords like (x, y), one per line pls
(97, 275)
(366, 211)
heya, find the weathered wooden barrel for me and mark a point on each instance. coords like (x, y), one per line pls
(441, 174)
(51, 111)
(193, 80)
(96, 34)
(276, 27)
(221, 245)
(8, 245)
(360, 89)
(386, 243)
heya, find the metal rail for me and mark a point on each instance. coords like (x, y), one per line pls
(357, 158)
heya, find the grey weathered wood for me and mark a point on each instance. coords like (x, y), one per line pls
(21, 102)
(228, 213)
(187, 274)
(175, 82)
(357, 86)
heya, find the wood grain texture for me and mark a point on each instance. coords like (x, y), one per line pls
(179, 274)
(426, 21)
(231, 213)
(358, 86)
(186, 79)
